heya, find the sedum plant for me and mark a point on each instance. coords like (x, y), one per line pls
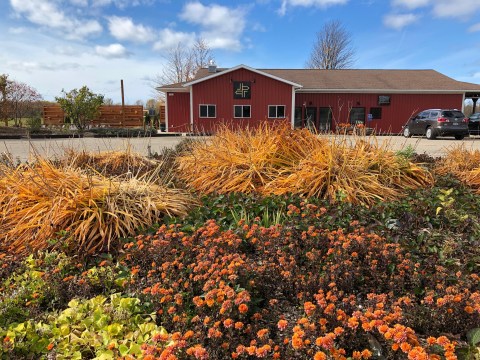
(98, 328)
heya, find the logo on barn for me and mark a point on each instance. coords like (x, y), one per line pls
(242, 89)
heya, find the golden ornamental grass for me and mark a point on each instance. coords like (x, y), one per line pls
(458, 160)
(40, 203)
(278, 160)
(240, 161)
(110, 163)
(463, 164)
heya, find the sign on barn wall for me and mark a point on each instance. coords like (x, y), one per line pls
(242, 89)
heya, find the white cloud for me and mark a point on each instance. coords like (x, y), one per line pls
(169, 39)
(309, 3)
(79, 2)
(45, 13)
(111, 51)
(411, 4)
(123, 28)
(221, 26)
(399, 21)
(66, 50)
(122, 4)
(31, 66)
(474, 28)
(443, 8)
(17, 30)
(457, 8)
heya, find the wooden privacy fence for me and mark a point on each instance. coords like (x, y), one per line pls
(109, 116)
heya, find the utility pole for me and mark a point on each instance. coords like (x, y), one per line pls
(123, 103)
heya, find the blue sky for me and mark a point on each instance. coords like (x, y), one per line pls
(65, 44)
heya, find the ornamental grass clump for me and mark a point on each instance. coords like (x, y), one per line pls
(463, 164)
(233, 161)
(278, 160)
(458, 161)
(110, 163)
(48, 207)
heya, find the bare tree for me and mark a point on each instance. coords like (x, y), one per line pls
(17, 100)
(332, 49)
(201, 54)
(22, 98)
(183, 63)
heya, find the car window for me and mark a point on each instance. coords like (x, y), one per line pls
(423, 115)
(433, 114)
(453, 114)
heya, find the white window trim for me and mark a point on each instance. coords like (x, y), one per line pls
(242, 117)
(207, 117)
(276, 112)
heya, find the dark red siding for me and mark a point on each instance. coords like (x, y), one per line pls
(394, 116)
(178, 108)
(218, 91)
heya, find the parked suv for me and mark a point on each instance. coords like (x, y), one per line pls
(438, 122)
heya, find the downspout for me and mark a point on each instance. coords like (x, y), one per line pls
(166, 112)
(191, 109)
(292, 121)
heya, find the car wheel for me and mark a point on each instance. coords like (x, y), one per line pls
(459, 137)
(430, 134)
(406, 132)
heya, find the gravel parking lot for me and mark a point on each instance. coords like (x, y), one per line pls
(25, 149)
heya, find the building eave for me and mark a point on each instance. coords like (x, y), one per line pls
(390, 91)
(171, 89)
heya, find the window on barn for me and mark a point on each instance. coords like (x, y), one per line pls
(241, 111)
(376, 112)
(208, 111)
(276, 111)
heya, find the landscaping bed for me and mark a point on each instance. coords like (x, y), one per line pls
(273, 244)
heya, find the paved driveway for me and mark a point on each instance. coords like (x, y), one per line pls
(25, 149)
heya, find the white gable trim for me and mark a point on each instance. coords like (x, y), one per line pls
(241, 66)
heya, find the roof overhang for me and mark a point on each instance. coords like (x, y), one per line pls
(214, 75)
(171, 89)
(374, 91)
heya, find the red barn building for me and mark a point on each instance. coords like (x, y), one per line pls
(320, 99)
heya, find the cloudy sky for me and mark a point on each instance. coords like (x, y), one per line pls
(65, 44)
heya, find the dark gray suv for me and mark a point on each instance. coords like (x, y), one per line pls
(437, 122)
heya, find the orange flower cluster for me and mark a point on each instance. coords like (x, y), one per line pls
(284, 293)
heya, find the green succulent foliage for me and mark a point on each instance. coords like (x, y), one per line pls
(98, 328)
